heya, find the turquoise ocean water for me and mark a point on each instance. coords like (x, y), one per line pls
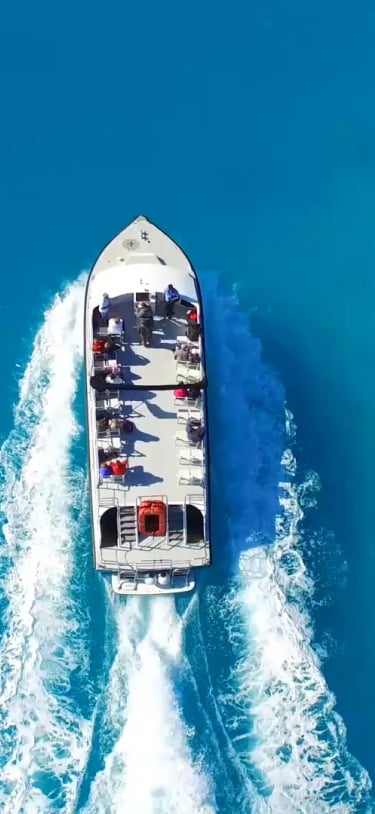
(247, 132)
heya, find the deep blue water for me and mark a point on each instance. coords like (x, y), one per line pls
(247, 133)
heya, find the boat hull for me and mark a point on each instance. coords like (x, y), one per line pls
(164, 465)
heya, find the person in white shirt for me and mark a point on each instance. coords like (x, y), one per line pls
(105, 306)
(116, 326)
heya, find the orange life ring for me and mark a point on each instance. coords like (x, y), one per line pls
(152, 518)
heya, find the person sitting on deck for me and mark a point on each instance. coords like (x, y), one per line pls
(123, 424)
(194, 430)
(182, 354)
(192, 315)
(171, 296)
(115, 423)
(98, 381)
(99, 345)
(114, 366)
(180, 392)
(106, 454)
(120, 423)
(119, 467)
(193, 332)
(116, 326)
(113, 378)
(105, 470)
(113, 343)
(193, 393)
(102, 424)
(187, 354)
(145, 322)
(105, 306)
(194, 356)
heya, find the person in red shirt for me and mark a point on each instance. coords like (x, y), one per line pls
(99, 345)
(119, 467)
(180, 392)
(192, 315)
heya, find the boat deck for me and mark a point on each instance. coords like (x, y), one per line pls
(162, 463)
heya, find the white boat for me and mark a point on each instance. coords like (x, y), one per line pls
(151, 523)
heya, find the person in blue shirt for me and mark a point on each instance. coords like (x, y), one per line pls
(171, 296)
(105, 471)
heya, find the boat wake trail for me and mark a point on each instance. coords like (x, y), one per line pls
(273, 697)
(44, 736)
(150, 767)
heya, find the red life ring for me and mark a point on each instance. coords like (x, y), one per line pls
(152, 518)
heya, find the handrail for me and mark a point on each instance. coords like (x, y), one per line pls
(200, 385)
(109, 501)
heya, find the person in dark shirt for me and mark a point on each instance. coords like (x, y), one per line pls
(193, 332)
(145, 322)
(194, 430)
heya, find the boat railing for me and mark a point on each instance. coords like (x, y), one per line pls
(197, 562)
(108, 502)
(153, 565)
(158, 567)
(117, 560)
(196, 499)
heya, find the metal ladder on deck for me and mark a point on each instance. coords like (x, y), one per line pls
(176, 530)
(127, 526)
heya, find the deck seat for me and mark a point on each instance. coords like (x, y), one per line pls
(182, 440)
(183, 340)
(100, 360)
(186, 412)
(190, 474)
(188, 372)
(192, 404)
(109, 434)
(190, 455)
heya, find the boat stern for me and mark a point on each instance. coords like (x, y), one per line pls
(174, 581)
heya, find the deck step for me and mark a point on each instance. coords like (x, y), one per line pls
(128, 526)
(175, 524)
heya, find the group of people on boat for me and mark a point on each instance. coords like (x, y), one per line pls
(117, 468)
(111, 374)
(187, 353)
(145, 317)
(145, 321)
(111, 462)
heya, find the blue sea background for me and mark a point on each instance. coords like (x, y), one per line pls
(247, 132)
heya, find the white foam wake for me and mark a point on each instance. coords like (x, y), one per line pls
(284, 723)
(150, 768)
(300, 745)
(43, 742)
